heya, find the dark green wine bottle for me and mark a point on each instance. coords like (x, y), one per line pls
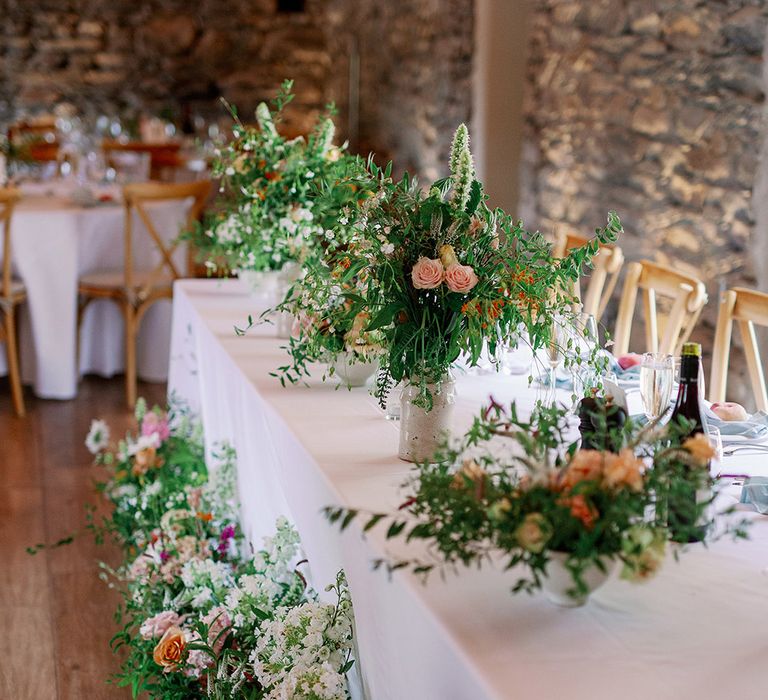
(683, 509)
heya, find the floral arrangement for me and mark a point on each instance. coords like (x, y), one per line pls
(518, 490)
(202, 616)
(438, 274)
(265, 217)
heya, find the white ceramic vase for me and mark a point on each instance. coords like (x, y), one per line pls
(558, 584)
(353, 371)
(421, 431)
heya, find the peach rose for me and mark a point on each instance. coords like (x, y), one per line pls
(169, 651)
(700, 448)
(533, 533)
(623, 469)
(427, 273)
(586, 465)
(460, 278)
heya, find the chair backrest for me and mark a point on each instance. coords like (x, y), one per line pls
(606, 266)
(687, 294)
(136, 197)
(8, 199)
(746, 307)
(162, 156)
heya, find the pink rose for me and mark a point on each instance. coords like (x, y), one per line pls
(158, 625)
(156, 424)
(218, 627)
(427, 274)
(460, 278)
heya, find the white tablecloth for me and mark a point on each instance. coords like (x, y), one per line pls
(699, 630)
(56, 241)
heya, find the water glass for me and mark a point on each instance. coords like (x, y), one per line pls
(716, 440)
(656, 377)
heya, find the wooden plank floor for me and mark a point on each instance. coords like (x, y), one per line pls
(56, 615)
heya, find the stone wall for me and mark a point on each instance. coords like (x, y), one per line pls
(168, 56)
(416, 68)
(652, 108)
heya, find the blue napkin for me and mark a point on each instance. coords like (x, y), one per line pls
(755, 427)
(755, 492)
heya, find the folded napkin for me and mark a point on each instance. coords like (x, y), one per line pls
(752, 429)
(755, 493)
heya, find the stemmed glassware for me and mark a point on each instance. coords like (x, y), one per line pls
(657, 374)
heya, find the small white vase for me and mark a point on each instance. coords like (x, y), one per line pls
(261, 284)
(353, 371)
(558, 582)
(421, 431)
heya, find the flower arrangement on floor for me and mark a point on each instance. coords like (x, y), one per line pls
(202, 616)
(265, 217)
(536, 502)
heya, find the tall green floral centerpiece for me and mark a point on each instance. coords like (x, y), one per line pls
(264, 224)
(441, 275)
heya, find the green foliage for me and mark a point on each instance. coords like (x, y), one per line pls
(517, 488)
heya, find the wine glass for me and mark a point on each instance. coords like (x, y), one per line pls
(657, 373)
(556, 348)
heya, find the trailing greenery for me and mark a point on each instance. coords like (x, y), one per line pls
(517, 488)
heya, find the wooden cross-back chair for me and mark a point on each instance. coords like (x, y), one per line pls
(12, 293)
(135, 290)
(604, 275)
(687, 294)
(746, 308)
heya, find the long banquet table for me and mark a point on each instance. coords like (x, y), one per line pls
(698, 630)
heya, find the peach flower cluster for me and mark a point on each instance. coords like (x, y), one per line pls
(700, 448)
(430, 273)
(615, 471)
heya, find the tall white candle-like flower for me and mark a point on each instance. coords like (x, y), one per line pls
(462, 167)
(264, 118)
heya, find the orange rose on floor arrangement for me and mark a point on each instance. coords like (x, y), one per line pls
(202, 616)
(542, 505)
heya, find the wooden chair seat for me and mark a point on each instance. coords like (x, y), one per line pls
(114, 280)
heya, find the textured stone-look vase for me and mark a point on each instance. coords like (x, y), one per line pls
(422, 431)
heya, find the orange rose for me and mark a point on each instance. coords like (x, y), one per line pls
(581, 510)
(586, 465)
(472, 471)
(146, 459)
(624, 469)
(169, 651)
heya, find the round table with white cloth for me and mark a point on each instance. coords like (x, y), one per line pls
(58, 234)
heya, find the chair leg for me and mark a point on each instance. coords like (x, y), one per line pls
(14, 374)
(130, 355)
